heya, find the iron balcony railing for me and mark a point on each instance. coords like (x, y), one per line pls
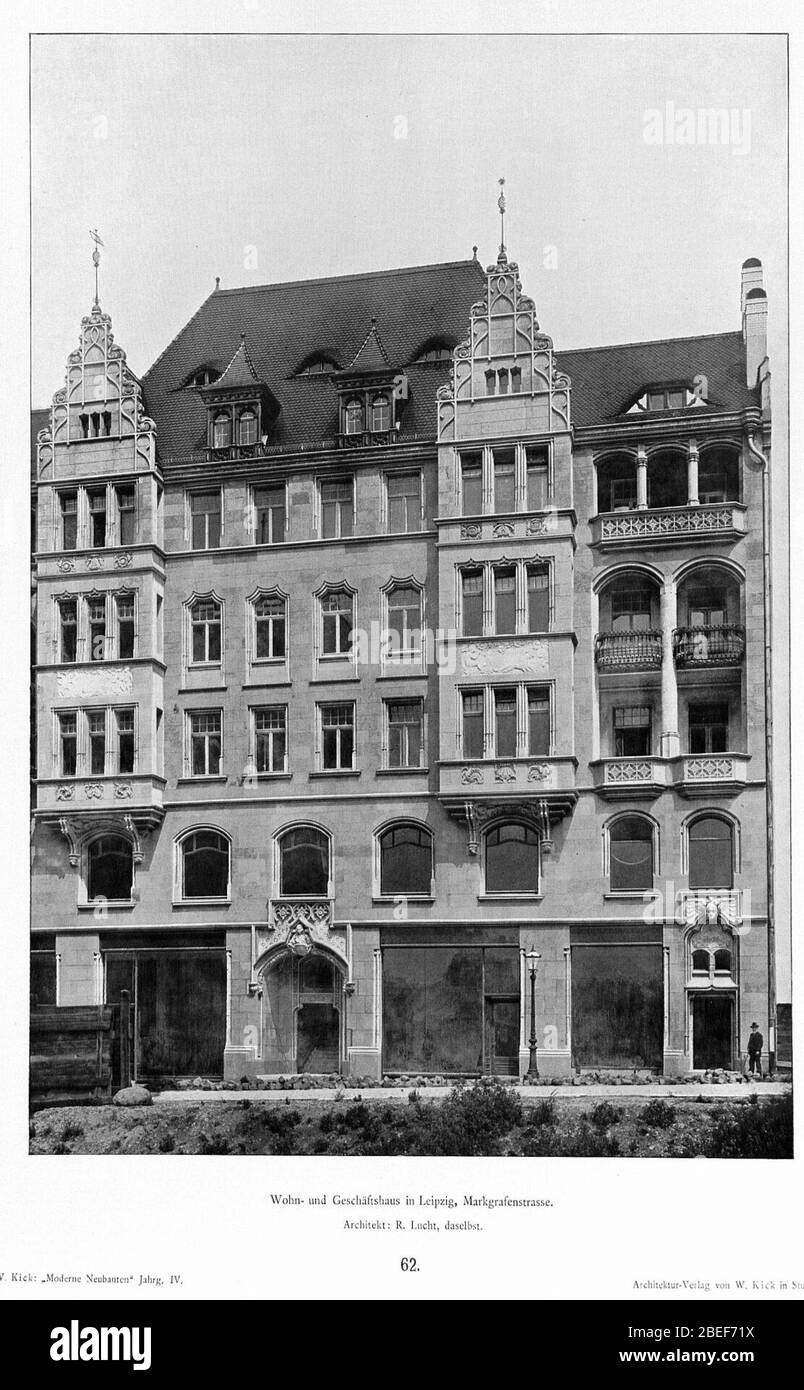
(709, 646)
(628, 651)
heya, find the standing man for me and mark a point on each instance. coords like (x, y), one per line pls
(755, 1043)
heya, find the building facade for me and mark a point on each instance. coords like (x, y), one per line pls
(393, 671)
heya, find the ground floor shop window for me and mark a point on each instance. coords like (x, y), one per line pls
(617, 1006)
(451, 1009)
(179, 1009)
(43, 978)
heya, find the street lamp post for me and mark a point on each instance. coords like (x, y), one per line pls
(533, 958)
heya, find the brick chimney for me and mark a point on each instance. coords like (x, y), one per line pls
(754, 309)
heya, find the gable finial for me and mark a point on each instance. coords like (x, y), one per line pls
(501, 206)
(96, 260)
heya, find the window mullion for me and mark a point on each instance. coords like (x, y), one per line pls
(488, 600)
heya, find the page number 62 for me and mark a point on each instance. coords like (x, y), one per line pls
(409, 1265)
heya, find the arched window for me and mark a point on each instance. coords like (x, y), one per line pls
(380, 414)
(221, 432)
(723, 962)
(631, 855)
(700, 962)
(110, 863)
(304, 863)
(205, 865)
(247, 428)
(711, 853)
(354, 416)
(406, 860)
(512, 859)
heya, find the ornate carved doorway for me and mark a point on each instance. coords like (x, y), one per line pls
(303, 1013)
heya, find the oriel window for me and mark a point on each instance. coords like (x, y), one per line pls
(68, 743)
(124, 604)
(538, 698)
(504, 480)
(538, 584)
(504, 601)
(472, 724)
(505, 723)
(68, 506)
(471, 484)
(97, 516)
(124, 722)
(96, 734)
(472, 602)
(68, 629)
(536, 479)
(96, 614)
(126, 515)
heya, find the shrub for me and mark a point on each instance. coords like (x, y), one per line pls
(754, 1131)
(167, 1143)
(542, 1113)
(469, 1122)
(658, 1114)
(71, 1131)
(605, 1115)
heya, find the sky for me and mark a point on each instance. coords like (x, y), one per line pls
(261, 158)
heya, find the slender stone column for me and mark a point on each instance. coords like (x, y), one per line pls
(669, 742)
(692, 474)
(642, 479)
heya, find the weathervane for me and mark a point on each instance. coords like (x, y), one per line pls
(96, 260)
(501, 206)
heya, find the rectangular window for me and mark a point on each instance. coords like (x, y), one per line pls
(205, 742)
(338, 736)
(205, 512)
(206, 625)
(124, 604)
(270, 739)
(96, 616)
(472, 603)
(707, 608)
(269, 515)
(504, 480)
(632, 731)
(336, 616)
(68, 744)
(126, 514)
(96, 498)
(504, 601)
(269, 620)
(68, 629)
(404, 733)
(538, 582)
(630, 610)
(709, 728)
(337, 508)
(96, 734)
(539, 721)
(68, 507)
(537, 479)
(471, 484)
(505, 723)
(472, 724)
(404, 502)
(124, 722)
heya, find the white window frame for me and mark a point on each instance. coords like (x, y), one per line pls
(386, 500)
(381, 830)
(276, 485)
(251, 627)
(487, 568)
(220, 775)
(486, 452)
(82, 714)
(320, 484)
(207, 664)
(402, 768)
(321, 707)
(201, 492)
(254, 711)
(179, 900)
(488, 692)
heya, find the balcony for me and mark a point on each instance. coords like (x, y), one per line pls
(708, 646)
(653, 525)
(628, 651)
(703, 774)
(629, 778)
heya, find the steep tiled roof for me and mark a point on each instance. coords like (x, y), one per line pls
(605, 380)
(240, 372)
(286, 325)
(371, 355)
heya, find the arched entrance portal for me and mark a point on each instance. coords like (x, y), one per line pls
(303, 1013)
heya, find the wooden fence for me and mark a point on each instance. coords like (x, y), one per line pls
(80, 1054)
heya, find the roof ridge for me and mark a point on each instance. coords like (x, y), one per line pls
(354, 275)
(651, 342)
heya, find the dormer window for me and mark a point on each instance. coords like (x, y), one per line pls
(665, 396)
(318, 366)
(247, 428)
(353, 416)
(433, 352)
(380, 414)
(205, 376)
(222, 431)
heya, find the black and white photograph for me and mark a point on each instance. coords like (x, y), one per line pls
(410, 646)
